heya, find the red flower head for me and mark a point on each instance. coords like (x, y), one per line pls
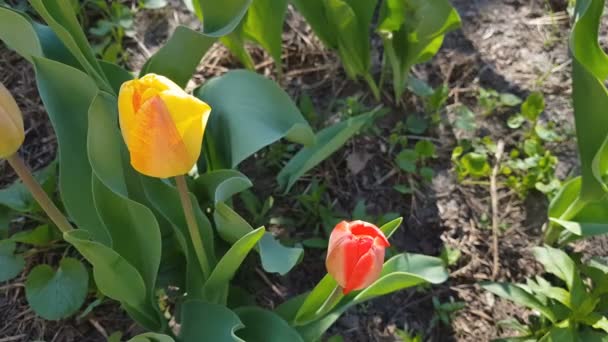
(355, 254)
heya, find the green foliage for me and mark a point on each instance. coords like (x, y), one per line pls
(444, 311)
(11, 264)
(54, 295)
(412, 32)
(574, 301)
(577, 204)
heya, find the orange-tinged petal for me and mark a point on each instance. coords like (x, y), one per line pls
(366, 271)
(11, 124)
(156, 148)
(362, 228)
(339, 231)
(190, 116)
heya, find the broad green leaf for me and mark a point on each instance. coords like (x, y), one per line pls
(559, 334)
(39, 236)
(509, 100)
(114, 276)
(54, 295)
(61, 18)
(30, 39)
(115, 74)
(390, 227)
(590, 70)
(220, 185)
(314, 12)
(11, 264)
(515, 121)
(180, 56)
(248, 113)
(403, 271)
(275, 257)
(406, 160)
(265, 326)
(165, 199)
(215, 287)
(329, 140)
(476, 164)
(200, 320)
(67, 94)
(413, 37)
(129, 223)
(219, 19)
(154, 4)
(235, 42)
(518, 295)
(151, 337)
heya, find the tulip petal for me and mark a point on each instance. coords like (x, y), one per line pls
(11, 124)
(338, 233)
(190, 116)
(362, 228)
(366, 271)
(155, 145)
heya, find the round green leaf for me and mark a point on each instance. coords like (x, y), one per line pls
(265, 326)
(56, 295)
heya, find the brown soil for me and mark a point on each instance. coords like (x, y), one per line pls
(509, 45)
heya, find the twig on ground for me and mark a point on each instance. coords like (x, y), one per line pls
(500, 146)
(98, 327)
(273, 287)
(12, 338)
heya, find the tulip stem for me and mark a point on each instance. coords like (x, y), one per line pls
(39, 194)
(195, 234)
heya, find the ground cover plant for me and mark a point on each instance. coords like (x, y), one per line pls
(342, 170)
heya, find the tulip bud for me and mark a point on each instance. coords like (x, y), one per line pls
(162, 125)
(11, 124)
(355, 254)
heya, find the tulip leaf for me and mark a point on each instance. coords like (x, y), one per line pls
(259, 322)
(40, 236)
(329, 140)
(248, 113)
(116, 278)
(11, 264)
(115, 74)
(413, 32)
(263, 24)
(200, 319)
(583, 229)
(215, 289)
(316, 17)
(220, 185)
(128, 222)
(590, 96)
(390, 227)
(520, 296)
(151, 337)
(275, 257)
(61, 18)
(310, 309)
(30, 39)
(404, 271)
(56, 295)
(165, 199)
(219, 19)
(67, 94)
(179, 57)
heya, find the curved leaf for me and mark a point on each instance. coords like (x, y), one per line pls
(219, 19)
(201, 320)
(151, 337)
(518, 295)
(180, 56)
(67, 94)
(220, 185)
(391, 227)
(248, 113)
(11, 264)
(265, 326)
(215, 289)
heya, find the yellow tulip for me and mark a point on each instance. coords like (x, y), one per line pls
(162, 125)
(11, 124)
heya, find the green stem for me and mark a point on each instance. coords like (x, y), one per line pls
(39, 194)
(195, 234)
(372, 85)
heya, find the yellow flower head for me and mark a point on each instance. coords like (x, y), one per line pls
(162, 125)
(11, 124)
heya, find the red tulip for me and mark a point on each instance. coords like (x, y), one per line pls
(356, 254)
